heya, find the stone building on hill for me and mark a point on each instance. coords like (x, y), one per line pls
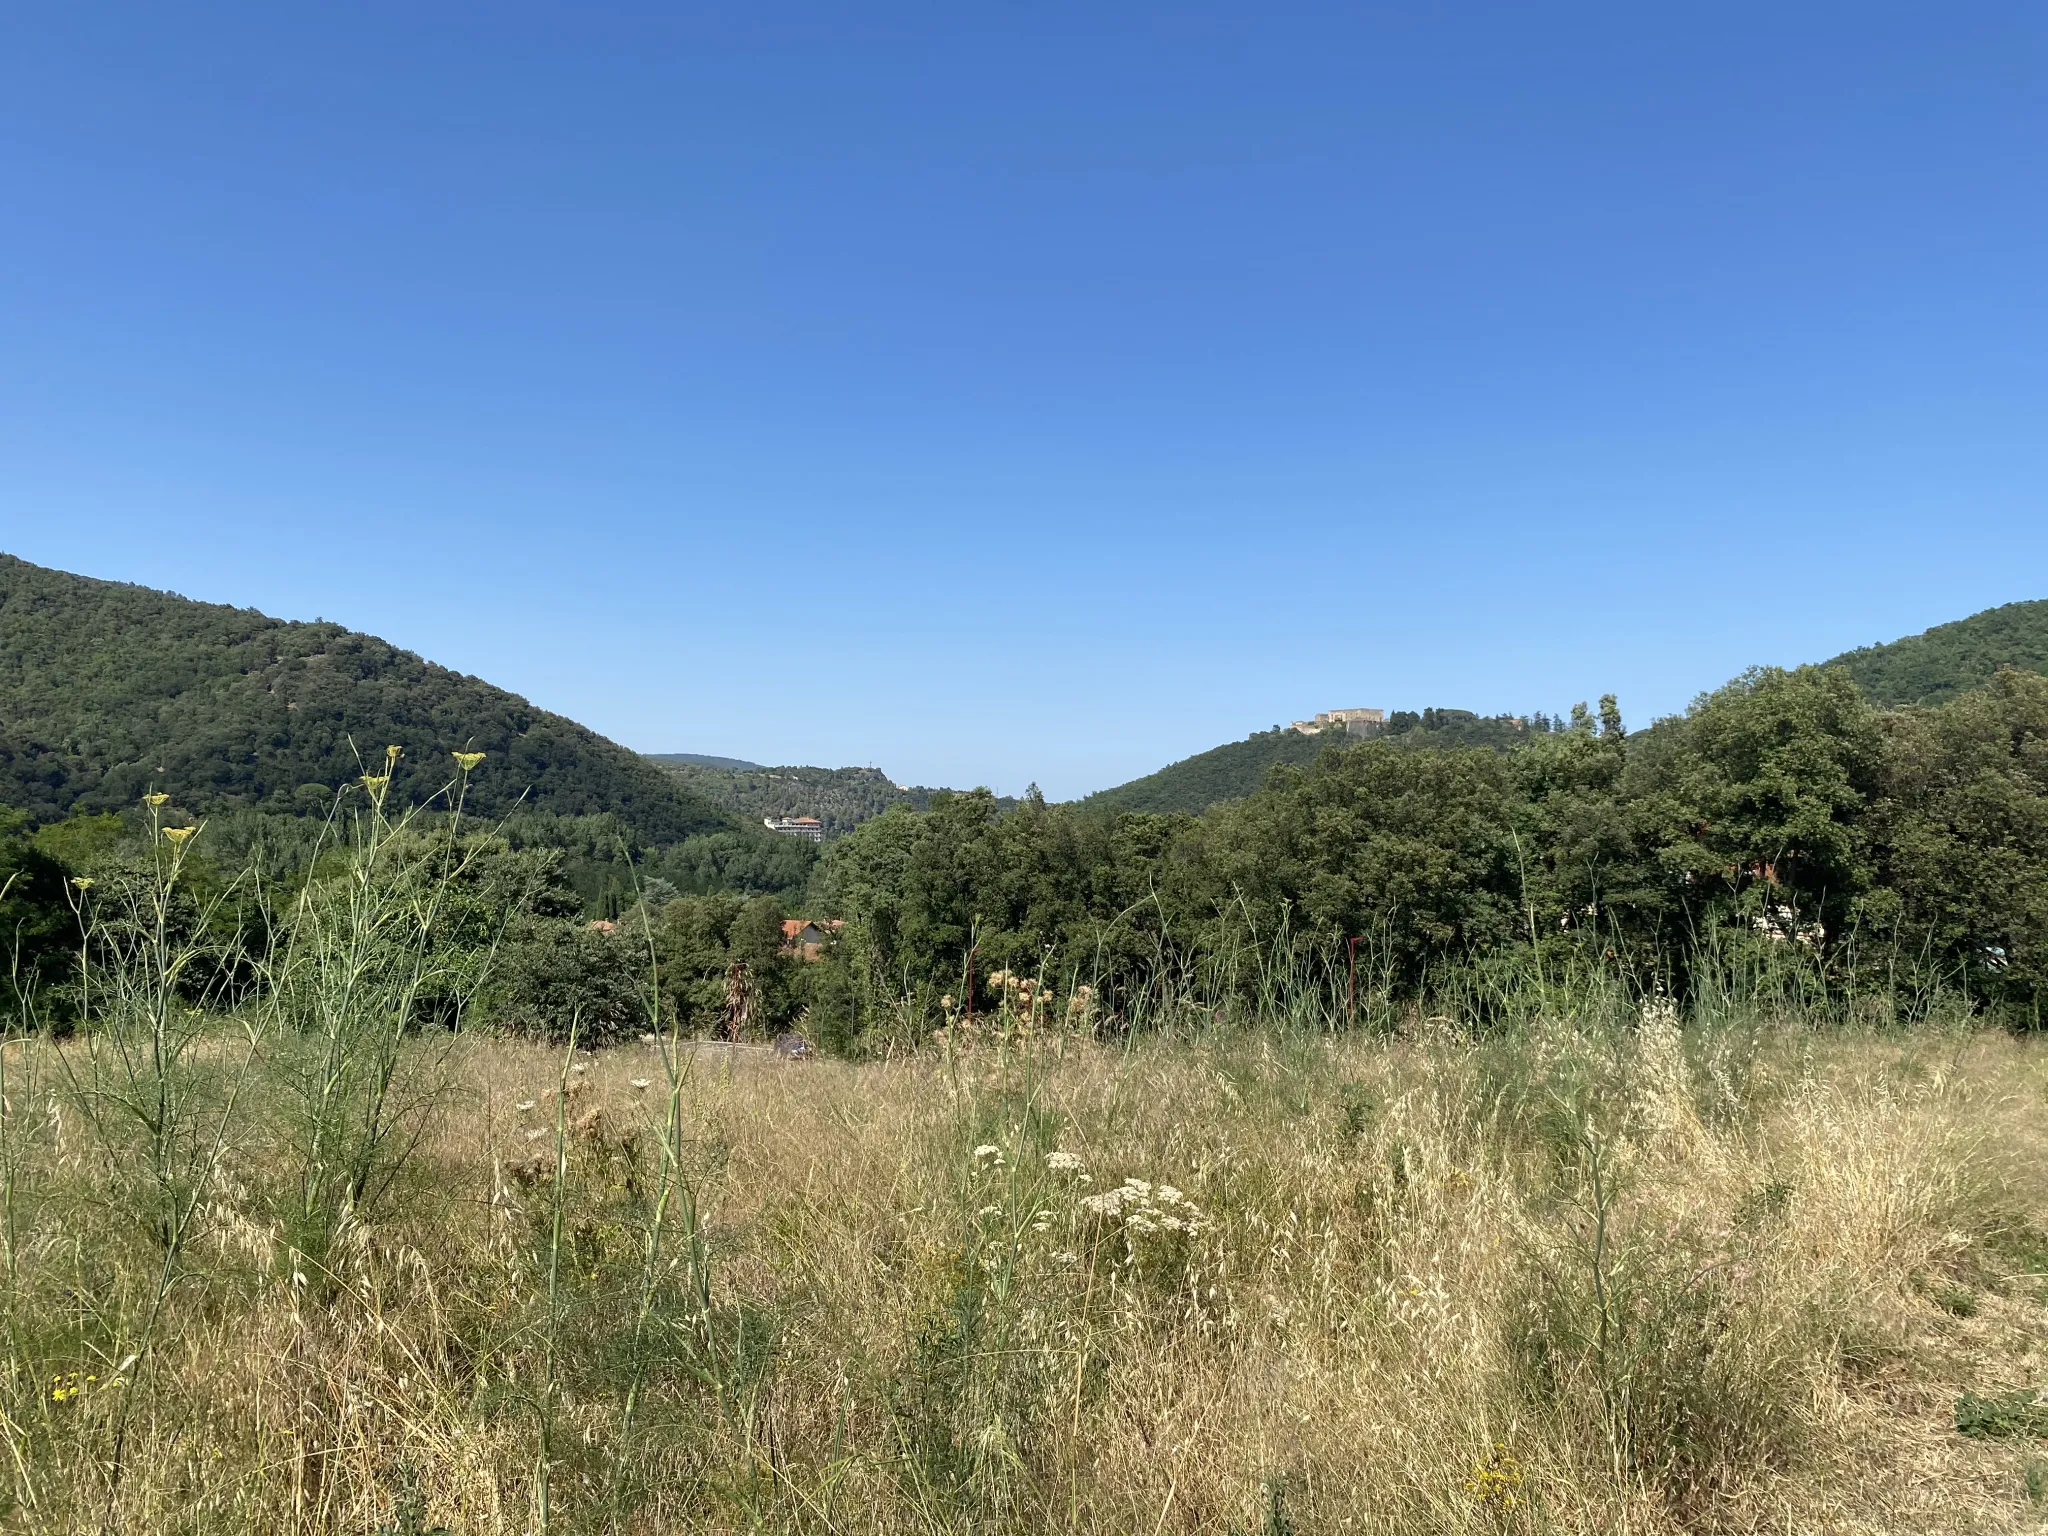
(1354, 722)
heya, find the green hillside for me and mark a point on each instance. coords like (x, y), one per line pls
(1234, 770)
(702, 760)
(1933, 667)
(107, 689)
(1929, 668)
(841, 798)
(1228, 772)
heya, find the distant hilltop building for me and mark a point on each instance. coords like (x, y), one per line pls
(1355, 722)
(808, 827)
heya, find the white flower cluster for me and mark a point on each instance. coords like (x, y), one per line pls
(1779, 923)
(1144, 1208)
(1063, 1162)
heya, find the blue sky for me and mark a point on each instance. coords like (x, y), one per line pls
(1022, 390)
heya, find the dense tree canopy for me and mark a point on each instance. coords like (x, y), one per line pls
(841, 798)
(1960, 832)
(1780, 811)
(109, 690)
(1784, 814)
(35, 919)
(1228, 772)
(1235, 769)
(1950, 659)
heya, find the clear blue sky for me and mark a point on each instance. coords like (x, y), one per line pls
(1012, 390)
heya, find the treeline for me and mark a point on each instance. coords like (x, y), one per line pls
(1237, 768)
(1938, 664)
(841, 798)
(1782, 818)
(504, 927)
(110, 691)
(1782, 823)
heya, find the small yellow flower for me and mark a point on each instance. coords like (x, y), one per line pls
(392, 755)
(376, 783)
(467, 761)
(1496, 1481)
(83, 882)
(177, 835)
(156, 801)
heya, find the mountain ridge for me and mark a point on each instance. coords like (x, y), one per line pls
(1233, 770)
(109, 689)
(704, 760)
(1936, 664)
(1926, 668)
(840, 798)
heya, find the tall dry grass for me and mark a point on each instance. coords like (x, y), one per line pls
(1573, 1278)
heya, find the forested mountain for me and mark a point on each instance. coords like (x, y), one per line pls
(108, 689)
(1935, 666)
(841, 798)
(1929, 668)
(1228, 772)
(703, 760)
(1782, 828)
(1784, 819)
(1234, 770)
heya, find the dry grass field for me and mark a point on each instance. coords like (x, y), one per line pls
(1578, 1279)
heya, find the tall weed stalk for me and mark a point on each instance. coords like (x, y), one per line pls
(157, 1082)
(357, 956)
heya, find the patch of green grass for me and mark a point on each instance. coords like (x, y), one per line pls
(1956, 1300)
(2002, 1415)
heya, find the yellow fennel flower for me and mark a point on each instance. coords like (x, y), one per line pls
(177, 835)
(156, 801)
(467, 761)
(1496, 1481)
